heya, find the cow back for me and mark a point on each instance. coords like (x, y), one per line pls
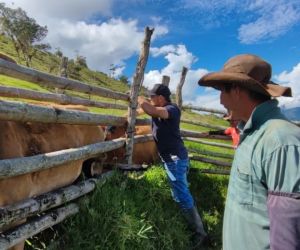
(21, 139)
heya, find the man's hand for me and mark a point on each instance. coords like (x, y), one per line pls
(142, 99)
(151, 110)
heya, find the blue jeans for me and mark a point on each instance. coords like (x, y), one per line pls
(177, 176)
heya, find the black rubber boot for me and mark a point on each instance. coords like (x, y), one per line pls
(196, 226)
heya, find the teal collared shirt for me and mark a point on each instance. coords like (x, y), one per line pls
(267, 159)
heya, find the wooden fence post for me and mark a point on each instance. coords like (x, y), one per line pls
(64, 67)
(179, 87)
(136, 85)
(165, 80)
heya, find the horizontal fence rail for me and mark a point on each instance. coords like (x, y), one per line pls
(217, 111)
(33, 206)
(211, 153)
(24, 165)
(18, 111)
(44, 79)
(22, 232)
(57, 98)
(203, 124)
(143, 138)
(222, 145)
(194, 134)
(207, 160)
(212, 171)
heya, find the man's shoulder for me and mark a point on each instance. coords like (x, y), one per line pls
(282, 132)
(172, 105)
(173, 109)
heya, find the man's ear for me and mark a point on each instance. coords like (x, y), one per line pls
(237, 92)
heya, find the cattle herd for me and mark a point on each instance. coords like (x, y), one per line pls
(21, 139)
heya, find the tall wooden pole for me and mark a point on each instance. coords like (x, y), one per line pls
(136, 85)
(165, 80)
(179, 87)
(64, 67)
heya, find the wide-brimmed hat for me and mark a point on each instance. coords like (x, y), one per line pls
(248, 71)
(160, 89)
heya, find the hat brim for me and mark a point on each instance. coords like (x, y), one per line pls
(219, 79)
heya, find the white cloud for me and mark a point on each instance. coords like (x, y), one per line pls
(177, 57)
(162, 50)
(275, 20)
(291, 79)
(102, 44)
(67, 9)
(209, 101)
(74, 29)
(264, 20)
(210, 5)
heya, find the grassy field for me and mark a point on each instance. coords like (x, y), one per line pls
(133, 211)
(136, 211)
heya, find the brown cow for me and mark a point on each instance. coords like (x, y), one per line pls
(19, 139)
(144, 152)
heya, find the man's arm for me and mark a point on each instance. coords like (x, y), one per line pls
(152, 110)
(216, 132)
(282, 180)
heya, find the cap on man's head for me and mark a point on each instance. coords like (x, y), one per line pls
(248, 71)
(160, 89)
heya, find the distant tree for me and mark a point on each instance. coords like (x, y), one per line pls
(23, 31)
(43, 47)
(124, 79)
(81, 61)
(58, 52)
(112, 70)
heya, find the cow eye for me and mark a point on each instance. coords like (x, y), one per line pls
(111, 129)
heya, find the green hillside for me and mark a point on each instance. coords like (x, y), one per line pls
(49, 63)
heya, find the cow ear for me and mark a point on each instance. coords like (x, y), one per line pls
(125, 124)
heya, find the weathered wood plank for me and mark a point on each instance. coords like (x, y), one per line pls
(211, 171)
(57, 98)
(32, 206)
(135, 88)
(24, 231)
(133, 167)
(165, 80)
(143, 138)
(217, 111)
(18, 111)
(44, 79)
(211, 153)
(207, 160)
(222, 145)
(203, 124)
(23, 165)
(179, 87)
(187, 133)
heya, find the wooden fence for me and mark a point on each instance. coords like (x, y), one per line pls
(25, 112)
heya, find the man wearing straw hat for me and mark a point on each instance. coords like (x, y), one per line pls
(166, 134)
(262, 209)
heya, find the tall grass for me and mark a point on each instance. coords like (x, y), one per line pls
(137, 212)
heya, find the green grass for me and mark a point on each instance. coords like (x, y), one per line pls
(137, 212)
(16, 83)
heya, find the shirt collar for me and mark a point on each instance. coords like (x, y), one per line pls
(261, 114)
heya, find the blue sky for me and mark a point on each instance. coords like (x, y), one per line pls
(198, 34)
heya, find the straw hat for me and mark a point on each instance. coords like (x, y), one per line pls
(248, 71)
